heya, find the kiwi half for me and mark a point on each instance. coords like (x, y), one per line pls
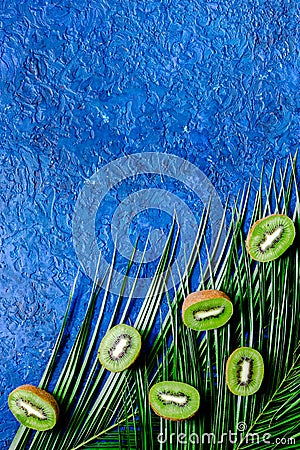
(269, 238)
(174, 400)
(33, 407)
(119, 348)
(244, 371)
(206, 310)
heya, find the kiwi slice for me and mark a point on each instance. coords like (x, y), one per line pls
(174, 400)
(206, 310)
(268, 238)
(33, 407)
(119, 348)
(244, 371)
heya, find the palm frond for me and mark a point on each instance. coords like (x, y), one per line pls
(102, 410)
(279, 419)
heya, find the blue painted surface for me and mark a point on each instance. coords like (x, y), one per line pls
(215, 83)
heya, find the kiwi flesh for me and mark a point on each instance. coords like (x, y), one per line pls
(174, 400)
(269, 238)
(33, 407)
(244, 371)
(206, 310)
(119, 348)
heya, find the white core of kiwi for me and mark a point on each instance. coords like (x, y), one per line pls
(179, 400)
(271, 238)
(205, 314)
(245, 374)
(120, 347)
(30, 409)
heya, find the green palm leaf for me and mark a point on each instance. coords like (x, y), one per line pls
(112, 411)
(279, 419)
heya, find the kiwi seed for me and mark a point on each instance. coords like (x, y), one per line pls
(244, 371)
(33, 407)
(206, 310)
(119, 348)
(174, 400)
(269, 238)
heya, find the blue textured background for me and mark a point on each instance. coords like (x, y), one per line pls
(82, 83)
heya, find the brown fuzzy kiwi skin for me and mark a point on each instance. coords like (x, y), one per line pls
(254, 225)
(168, 418)
(48, 398)
(196, 297)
